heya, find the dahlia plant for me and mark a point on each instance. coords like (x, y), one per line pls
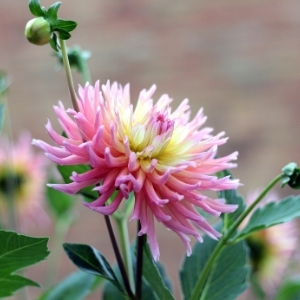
(150, 164)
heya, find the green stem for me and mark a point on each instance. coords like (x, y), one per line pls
(196, 295)
(68, 73)
(61, 228)
(125, 247)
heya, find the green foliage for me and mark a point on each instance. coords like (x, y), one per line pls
(291, 176)
(76, 286)
(60, 203)
(90, 260)
(155, 276)
(148, 291)
(271, 214)
(66, 172)
(77, 58)
(290, 289)
(231, 197)
(228, 276)
(59, 27)
(17, 252)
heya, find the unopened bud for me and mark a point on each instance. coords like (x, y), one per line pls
(38, 32)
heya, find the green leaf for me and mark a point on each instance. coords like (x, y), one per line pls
(59, 203)
(66, 172)
(90, 260)
(11, 283)
(271, 214)
(154, 277)
(74, 287)
(290, 289)
(35, 8)
(112, 293)
(231, 197)
(65, 25)
(228, 275)
(17, 252)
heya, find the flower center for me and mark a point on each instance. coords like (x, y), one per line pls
(10, 182)
(149, 139)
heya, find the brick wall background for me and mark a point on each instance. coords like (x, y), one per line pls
(240, 60)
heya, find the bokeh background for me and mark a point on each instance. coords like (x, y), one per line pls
(239, 60)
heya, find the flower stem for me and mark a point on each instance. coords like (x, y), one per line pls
(68, 73)
(125, 247)
(119, 257)
(196, 295)
(61, 228)
(139, 263)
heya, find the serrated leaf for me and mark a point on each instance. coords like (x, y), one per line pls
(19, 251)
(65, 25)
(35, 8)
(66, 172)
(154, 277)
(271, 214)
(11, 283)
(90, 260)
(228, 274)
(52, 11)
(74, 287)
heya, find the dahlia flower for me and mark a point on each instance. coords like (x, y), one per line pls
(22, 180)
(271, 250)
(161, 157)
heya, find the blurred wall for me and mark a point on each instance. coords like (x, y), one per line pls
(239, 60)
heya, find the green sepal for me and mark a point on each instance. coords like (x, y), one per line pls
(291, 176)
(52, 12)
(36, 9)
(63, 34)
(65, 25)
(53, 42)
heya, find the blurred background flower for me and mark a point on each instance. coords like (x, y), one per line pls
(23, 176)
(271, 252)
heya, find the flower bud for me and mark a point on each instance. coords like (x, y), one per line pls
(38, 32)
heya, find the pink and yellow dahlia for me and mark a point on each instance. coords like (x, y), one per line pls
(161, 157)
(22, 182)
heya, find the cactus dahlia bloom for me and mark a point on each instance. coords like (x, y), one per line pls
(164, 159)
(22, 182)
